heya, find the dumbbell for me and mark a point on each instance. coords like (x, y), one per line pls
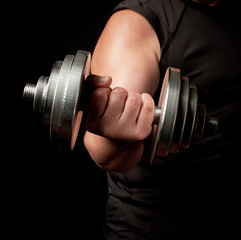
(178, 118)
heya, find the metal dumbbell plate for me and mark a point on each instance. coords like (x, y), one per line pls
(57, 97)
(191, 118)
(65, 118)
(200, 121)
(168, 103)
(181, 116)
(60, 98)
(180, 120)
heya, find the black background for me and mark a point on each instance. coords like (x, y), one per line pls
(51, 192)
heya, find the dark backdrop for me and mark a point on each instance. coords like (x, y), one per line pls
(51, 192)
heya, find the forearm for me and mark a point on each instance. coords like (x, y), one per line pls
(109, 154)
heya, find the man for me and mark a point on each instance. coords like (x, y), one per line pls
(185, 197)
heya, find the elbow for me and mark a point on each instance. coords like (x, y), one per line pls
(115, 166)
(120, 162)
(113, 158)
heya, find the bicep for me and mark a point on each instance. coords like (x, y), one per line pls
(128, 50)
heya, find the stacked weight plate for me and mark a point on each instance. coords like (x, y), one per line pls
(61, 99)
(181, 118)
(57, 97)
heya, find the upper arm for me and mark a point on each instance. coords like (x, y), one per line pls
(128, 50)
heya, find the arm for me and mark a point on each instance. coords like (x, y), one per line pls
(128, 51)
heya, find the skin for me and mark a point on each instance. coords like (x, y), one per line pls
(121, 107)
(120, 119)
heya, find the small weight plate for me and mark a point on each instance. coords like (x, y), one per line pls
(191, 117)
(181, 116)
(40, 94)
(200, 122)
(51, 87)
(168, 102)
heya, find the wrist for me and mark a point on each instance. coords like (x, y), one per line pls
(112, 155)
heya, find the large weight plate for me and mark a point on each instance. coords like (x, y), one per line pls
(168, 102)
(79, 71)
(181, 116)
(65, 118)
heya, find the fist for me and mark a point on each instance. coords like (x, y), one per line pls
(118, 114)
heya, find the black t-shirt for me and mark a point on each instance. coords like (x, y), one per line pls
(190, 196)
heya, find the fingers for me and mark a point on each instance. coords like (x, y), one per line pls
(99, 91)
(146, 116)
(137, 116)
(132, 107)
(97, 106)
(96, 81)
(119, 114)
(116, 104)
(105, 109)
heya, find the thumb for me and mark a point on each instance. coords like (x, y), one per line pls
(96, 81)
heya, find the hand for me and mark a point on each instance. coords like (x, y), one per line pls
(118, 114)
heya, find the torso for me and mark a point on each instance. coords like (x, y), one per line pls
(206, 47)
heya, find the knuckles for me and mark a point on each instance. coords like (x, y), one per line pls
(134, 98)
(118, 91)
(100, 94)
(127, 130)
(148, 102)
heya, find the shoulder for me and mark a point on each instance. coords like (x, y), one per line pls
(161, 14)
(129, 29)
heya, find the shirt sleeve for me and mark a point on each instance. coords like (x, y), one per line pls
(162, 15)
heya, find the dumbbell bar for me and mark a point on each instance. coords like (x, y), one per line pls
(178, 117)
